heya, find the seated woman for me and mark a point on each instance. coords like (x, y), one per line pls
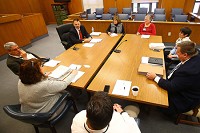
(116, 27)
(147, 28)
(37, 93)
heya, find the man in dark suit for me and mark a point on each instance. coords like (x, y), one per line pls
(78, 34)
(183, 83)
(16, 56)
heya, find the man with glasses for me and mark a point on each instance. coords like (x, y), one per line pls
(16, 56)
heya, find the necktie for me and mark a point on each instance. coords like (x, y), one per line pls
(174, 70)
(80, 35)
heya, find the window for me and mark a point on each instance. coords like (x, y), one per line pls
(196, 8)
(150, 4)
(93, 4)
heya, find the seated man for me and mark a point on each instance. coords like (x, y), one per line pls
(184, 35)
(78, 34)
(102, 116)
(183, 82)
(16, 56)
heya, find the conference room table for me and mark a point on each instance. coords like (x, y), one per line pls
(94, 57)
(124, 66)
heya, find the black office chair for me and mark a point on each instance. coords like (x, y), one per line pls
(63, 32)
(42, 119)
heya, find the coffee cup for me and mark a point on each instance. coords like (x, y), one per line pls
(135, 90)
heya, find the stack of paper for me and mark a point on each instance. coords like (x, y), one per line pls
(60, 71)
(95, 40)
(156, 46)
(145, 36)
(95, 33)
(113, 34)
(88, 45)
(51, 63)
(122, 87)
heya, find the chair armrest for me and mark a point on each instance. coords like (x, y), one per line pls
(43, 59)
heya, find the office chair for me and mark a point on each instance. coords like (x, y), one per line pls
(113, 11)
(139, 17)
(176, 11)
(188, 117)
(127, 11)
(180, 18)
(85, 13)
(123, 16)
(106, 17)
(159, 17)
(99, 12)
(42, 119)
(142, 11)
(91, 17)
(63, 32)
(159, 11)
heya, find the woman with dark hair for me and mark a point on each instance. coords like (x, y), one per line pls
(116, 27)
(37, 93)
(147, 28)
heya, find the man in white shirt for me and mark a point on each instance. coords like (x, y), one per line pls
(101, 116)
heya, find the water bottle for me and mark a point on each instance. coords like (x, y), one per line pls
(92, 29)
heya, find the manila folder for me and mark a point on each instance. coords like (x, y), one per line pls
(144, 68)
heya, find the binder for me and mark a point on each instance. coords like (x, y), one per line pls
(153, 60)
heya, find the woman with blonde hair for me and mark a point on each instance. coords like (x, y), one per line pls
(116, 26)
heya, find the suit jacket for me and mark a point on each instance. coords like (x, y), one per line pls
(74, 37)
(184, 85)
(14, 64)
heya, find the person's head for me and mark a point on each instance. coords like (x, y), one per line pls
(99, 110)
(12, 48)
(30, 71)
(185, 32)
(186, 49)
(116, 20)
(76, 23)
(147, 19)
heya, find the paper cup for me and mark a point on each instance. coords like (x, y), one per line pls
(135, 90)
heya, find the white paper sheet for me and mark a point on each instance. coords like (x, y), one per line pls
(75, 66)
(156, 46)
(122, 87)
(95, 40)
(88, 45)
(95, 33)
(80, 73)
(113, 34)
(59, 71)
(52, 63)
(145, 36)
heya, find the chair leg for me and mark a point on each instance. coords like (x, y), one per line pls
(53, 130)
(178, 119)
(36, 129)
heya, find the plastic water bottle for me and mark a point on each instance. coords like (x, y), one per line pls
(92, 29)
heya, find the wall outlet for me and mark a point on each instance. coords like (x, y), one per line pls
(169, 33)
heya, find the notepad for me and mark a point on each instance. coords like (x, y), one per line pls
(122, 87)
(60, 71)
(95, 33)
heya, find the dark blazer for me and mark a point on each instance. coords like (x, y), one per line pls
(184, 86)
(14, 64)
(74, 37)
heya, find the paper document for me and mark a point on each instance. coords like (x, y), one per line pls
(60, 71)
(156, 46)
(95, 33)
(145, 36)
(52, 63)
(122, 87)
(75, 66)
(95, 40)
(113, 34)
(145, 60)
(88, 45)
(80, 73)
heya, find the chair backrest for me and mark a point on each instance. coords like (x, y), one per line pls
(63, 31)
(142, 11)
(159, 17)
(180, 18)
(123, 16)
(176, 11)
(159, 11)
(126, 11)
(106, 17)
(88, 11)
(112, 11)
(91, 17)
(99, 11)
(139, 17)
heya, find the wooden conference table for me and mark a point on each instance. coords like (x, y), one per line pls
(124, 66)
(94, 57)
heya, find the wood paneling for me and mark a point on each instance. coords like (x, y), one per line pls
(162, 28)
(75, 6)
(109, 4)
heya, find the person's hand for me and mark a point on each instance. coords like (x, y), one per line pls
(138, 33)
(23, 54)
(109, 33)
(87, 40)
(74, 72)
(170, 56)
(117, 108)
(151, 75)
